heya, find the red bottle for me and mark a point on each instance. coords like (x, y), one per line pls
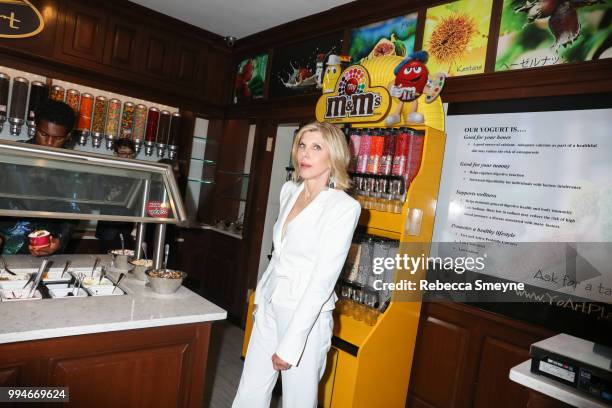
(386, 164)
(376, 150)
(400, 153)
(364, 152)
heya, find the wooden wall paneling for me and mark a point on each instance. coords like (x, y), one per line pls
(230, 165)
(420, 29)
(494, 27)
(83, 31)
(440, 362)
(222, 272)
(493, 387)
(155, 367)
(147, 15)
(188, 65)
(192, 255)
(147, 377)
(123, 41)
(218, 76)
(157, 54)
(110, 79)
(476, 374)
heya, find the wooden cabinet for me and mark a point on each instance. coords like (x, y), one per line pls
(223, 282)
(213, 262)
(463, 357)
(157, 367)
(122, 44)
(157, 53)
(217, 76)
(123, 47)
(82, 31)
(189, 64)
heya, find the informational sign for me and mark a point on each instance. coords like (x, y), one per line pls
(353, 100)
(19, 19)
(532, 193)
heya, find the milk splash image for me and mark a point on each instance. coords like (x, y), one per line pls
(299, 78)
(303, 77)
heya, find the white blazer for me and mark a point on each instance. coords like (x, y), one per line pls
(307, 261)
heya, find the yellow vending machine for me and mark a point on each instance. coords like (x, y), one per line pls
(395, 167)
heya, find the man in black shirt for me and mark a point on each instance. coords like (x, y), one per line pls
(54, 122)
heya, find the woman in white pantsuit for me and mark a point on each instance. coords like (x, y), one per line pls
(295, 296)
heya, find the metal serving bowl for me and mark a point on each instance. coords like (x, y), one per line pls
(121, 258)
(165, 285)
(140, 267)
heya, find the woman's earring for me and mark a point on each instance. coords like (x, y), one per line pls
(331, 183)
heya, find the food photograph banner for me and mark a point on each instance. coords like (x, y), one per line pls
(394, 36)
(251, 78)
(294, 66)
(531, 36)
(456, 37)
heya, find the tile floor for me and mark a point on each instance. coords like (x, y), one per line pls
(225, 366)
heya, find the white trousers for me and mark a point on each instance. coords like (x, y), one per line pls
(300, 383)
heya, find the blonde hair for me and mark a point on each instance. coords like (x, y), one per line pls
(339, 156)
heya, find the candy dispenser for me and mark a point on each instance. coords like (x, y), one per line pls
(127, 120)
(57, 93)
(84, 119)
(17, 108)
(113, 117)
(162, 133)
(38, 94)
(174, 134)
(73, 99)
(4, 91)
(140, 122)
(151, 130)
(98, 121)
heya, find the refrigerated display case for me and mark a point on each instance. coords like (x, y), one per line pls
(44, 182)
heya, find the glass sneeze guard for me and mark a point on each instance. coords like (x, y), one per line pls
(43, 182)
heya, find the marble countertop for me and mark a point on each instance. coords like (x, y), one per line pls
(522, 374)
(140, 308)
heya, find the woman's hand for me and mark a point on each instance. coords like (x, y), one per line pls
(48, 250)
(279, 364)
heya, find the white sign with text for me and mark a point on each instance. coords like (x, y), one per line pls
(515, 185)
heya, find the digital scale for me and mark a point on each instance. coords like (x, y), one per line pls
(576, 362)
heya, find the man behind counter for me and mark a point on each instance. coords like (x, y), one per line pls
(54, 122)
